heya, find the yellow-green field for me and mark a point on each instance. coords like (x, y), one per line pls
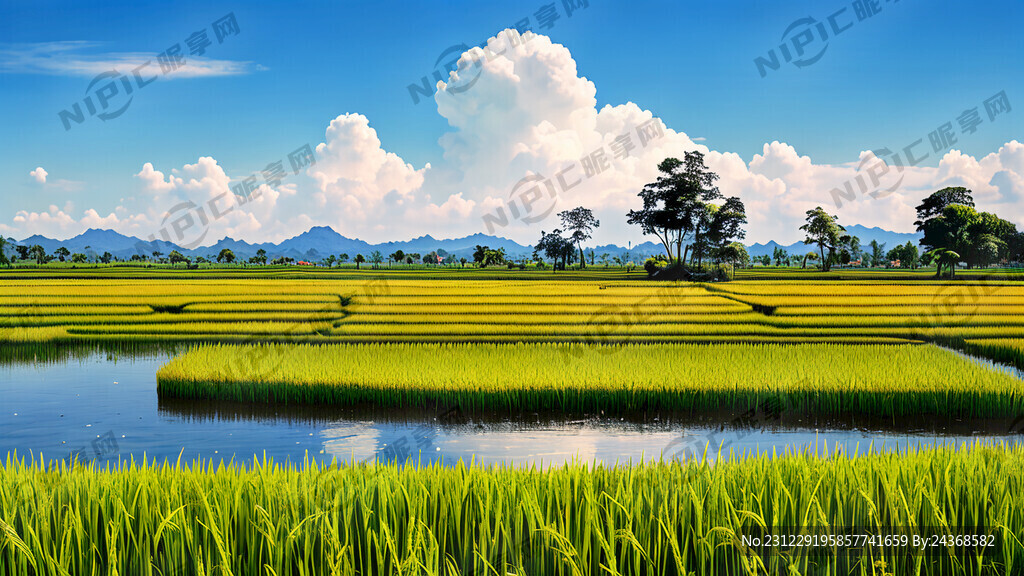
(370, 307)
(803, 379)
(678, 518)
(579, 342)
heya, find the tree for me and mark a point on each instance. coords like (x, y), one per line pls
(342, 258)
(933, 206)
(989, 240)
(809, 256)
(907, 255)
(479, 253)
(156, 254)
(397, 256)
(495, 257)
(949, 221)
(779, 255)
(674, 204)
(261, 257)
(38, 253)
(176, 257)
(849, 249)
(581, 222)
(554, 247)
(62, 253)
(106, 257)
(822, 229)
(910, 258)
(485, 256)
(604, 259)
(359, 260)
(944, 258)
(22, 251)
(376, 258)
(735, 253)
(463, 262)
(78, 258)
(720, 226)
(3, 250)
(226, 255)
(877, 253)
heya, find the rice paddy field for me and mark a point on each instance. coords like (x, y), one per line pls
(666, 518)
(605, 342)
(387, 308)
(807, 379)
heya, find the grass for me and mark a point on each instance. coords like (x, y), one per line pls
(666, 518)
(809, 379)
(1008, 350)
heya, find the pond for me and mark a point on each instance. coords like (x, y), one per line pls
(104, 407)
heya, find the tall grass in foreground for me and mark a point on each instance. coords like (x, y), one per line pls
(818, 379)
(653, 519)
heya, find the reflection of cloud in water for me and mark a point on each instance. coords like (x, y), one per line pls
(551, 446)
(353, 441)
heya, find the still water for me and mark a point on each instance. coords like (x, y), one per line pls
(105, 408)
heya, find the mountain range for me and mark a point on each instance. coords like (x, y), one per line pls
(863, 233)
(321, 241)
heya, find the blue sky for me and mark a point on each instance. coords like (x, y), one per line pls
(293, 67)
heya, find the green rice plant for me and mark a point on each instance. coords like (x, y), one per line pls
(297, 305)
(657, 518)
(170, 320)
(1008, 350)
(903, 310)
(267, 328)
(822, 379)
(531, 318)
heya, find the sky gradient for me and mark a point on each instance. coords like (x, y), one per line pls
(336, 76)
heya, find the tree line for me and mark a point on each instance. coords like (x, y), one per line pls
(953, 233)
(695, 224)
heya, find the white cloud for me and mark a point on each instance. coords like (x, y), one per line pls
(528, 112)
(355, 174)
(76, 58)
(39, 175)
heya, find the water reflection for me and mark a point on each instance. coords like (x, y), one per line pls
(104, 407)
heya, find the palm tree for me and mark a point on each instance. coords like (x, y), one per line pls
(945, 257)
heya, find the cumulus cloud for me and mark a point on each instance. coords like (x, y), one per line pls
(39, 175)
(526, 140)
(355, 174)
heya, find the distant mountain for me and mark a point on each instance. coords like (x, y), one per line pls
(863, 233)
(315, 244)
(770, 246)
(322, 241)
(644, 249)
(458, 246)
(890, 239)
(99, 241)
